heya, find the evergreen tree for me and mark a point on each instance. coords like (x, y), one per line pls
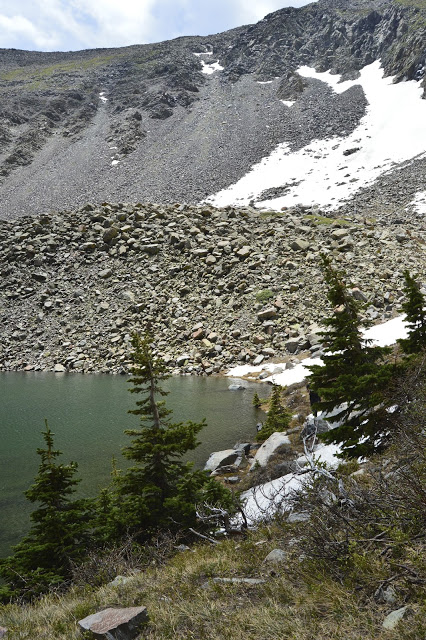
(415, 311)
(256, 401)
(353, 380)
(58, 534)
(278, 418)
(159, 490)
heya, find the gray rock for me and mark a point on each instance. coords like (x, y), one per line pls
(358, 294)
(393, 618)
(221, 459)
(301, 516)
(267, 314)
(385, 595)
(274, 444)
(244, 252)
(119, 581)
(300, 245)
(152, 249)
(109, 234)
(3, 632)
(115, 624)
(314, 425)
(276, 556)
(59, 368)
(339, 234)
(105, 273)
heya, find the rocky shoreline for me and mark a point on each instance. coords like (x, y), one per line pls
(217, 287)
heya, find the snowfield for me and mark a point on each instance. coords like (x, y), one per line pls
(330, 171)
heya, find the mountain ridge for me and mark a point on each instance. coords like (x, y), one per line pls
(168, 126)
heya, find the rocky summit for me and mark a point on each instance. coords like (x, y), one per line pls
(216, 286)
(179, 121)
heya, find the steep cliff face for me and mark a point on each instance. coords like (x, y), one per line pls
(156, 122)
(338, 35)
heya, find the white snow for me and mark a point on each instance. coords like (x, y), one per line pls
(115, 162)
(265, 82)
(262, 501)
(288, 103)
(381, 335)
(210, 68)
(102, 96)
(204, 53)
(286, 378)
(419, 202)
(393, 130)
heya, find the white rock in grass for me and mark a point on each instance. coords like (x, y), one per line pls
(394, 617)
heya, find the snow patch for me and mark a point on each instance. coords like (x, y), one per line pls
(115, 162)
(264, 500)
(211, 67)
(265, 82)
(419, 202)
(330, 171)
(102, 96)
(381, 335)
(288, 103)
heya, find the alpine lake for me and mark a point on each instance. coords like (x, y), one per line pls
(88, 415)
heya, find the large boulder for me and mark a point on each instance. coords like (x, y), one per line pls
(115, 624)
(221, 458)
(276, 442)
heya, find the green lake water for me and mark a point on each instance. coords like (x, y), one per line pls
(88, 414)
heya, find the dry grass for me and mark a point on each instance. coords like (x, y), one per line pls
(296, 602)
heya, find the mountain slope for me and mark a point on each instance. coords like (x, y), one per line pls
(158, 123)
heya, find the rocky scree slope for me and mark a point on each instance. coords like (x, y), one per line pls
(145, 123)
(216, 286)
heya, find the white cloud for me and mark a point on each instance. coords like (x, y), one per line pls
(77, 24)
(14, 28)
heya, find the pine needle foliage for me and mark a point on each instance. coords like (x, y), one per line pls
(353, 380)
(160, 490)
(58, 535)
(279, 417)
(415, 312)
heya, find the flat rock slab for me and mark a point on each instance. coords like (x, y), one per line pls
(272, 445)
(115, 624)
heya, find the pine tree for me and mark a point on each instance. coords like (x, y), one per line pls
(415, 311)
(353, 380)
(256, 401)
(159, 490)
(279, 417)
(58, 534)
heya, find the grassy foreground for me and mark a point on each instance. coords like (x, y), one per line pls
(297, 601)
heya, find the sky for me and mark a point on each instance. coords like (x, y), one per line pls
(70, 25)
